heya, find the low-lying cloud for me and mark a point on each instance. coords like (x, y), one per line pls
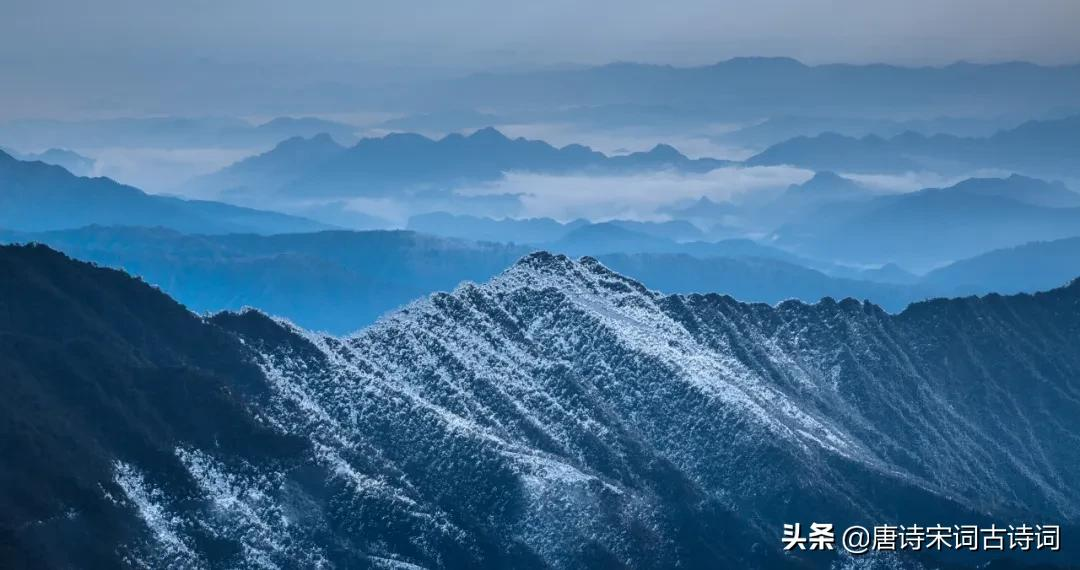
(912, 181)
(161, 170)
(637, 196)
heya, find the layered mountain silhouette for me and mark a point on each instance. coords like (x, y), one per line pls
(1028, 267)
(166, 132)
(938, 225)
(340, 281)
(749, 88)
(1040, 148)
(539, 230)
(35, 196)
(269, 171)
(336, 281)
(72, 161)
(524, 231)
(825, 193)
(777, 129)
(826, 186)
(402, 163)
(560, 415)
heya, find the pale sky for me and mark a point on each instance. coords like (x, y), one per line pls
(80, 58)
(501, 32)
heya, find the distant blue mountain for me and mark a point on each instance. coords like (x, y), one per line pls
(703, 208)
(826, 186)
(70, 160)
(1042, 148)
(1022, 189)
(604, 238)
(1025, 268)
(339, 281)
(613, 237)
(755, 87)
(778, 129)
(523, 231)
(891, 273)
(931, 227)
(447, 120)
(757, 279)
(35, 196)
(538, 230)
(399, 163)
(287, 161)
(714, 216)
(674, 230)
(823, 189)
(166, 132)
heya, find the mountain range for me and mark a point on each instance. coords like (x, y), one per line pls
(777, 129)
(935, 226)
(405, 163)
(1028, 267)
(540, 230)
(72, 161)
(1046, 149)
(35, 196)
(752, 88)
(166, 132)
(559, 415)
(339, 281)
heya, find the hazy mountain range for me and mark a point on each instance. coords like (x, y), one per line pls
(828, 219)
(340, 281)
(35, 196)
(931, 227)
(539, 230)
(753, 88)
(1029, 267)
(560, 415)
(405, 163)
(1039, 148)
(777, 129)
(72, 161)
(166, 132)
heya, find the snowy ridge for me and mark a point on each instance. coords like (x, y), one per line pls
(562, 411)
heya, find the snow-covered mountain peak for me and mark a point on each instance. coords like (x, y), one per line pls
(559, 415)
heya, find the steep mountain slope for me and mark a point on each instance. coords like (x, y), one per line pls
(99, 369)
(559, 416)
(38, 197)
